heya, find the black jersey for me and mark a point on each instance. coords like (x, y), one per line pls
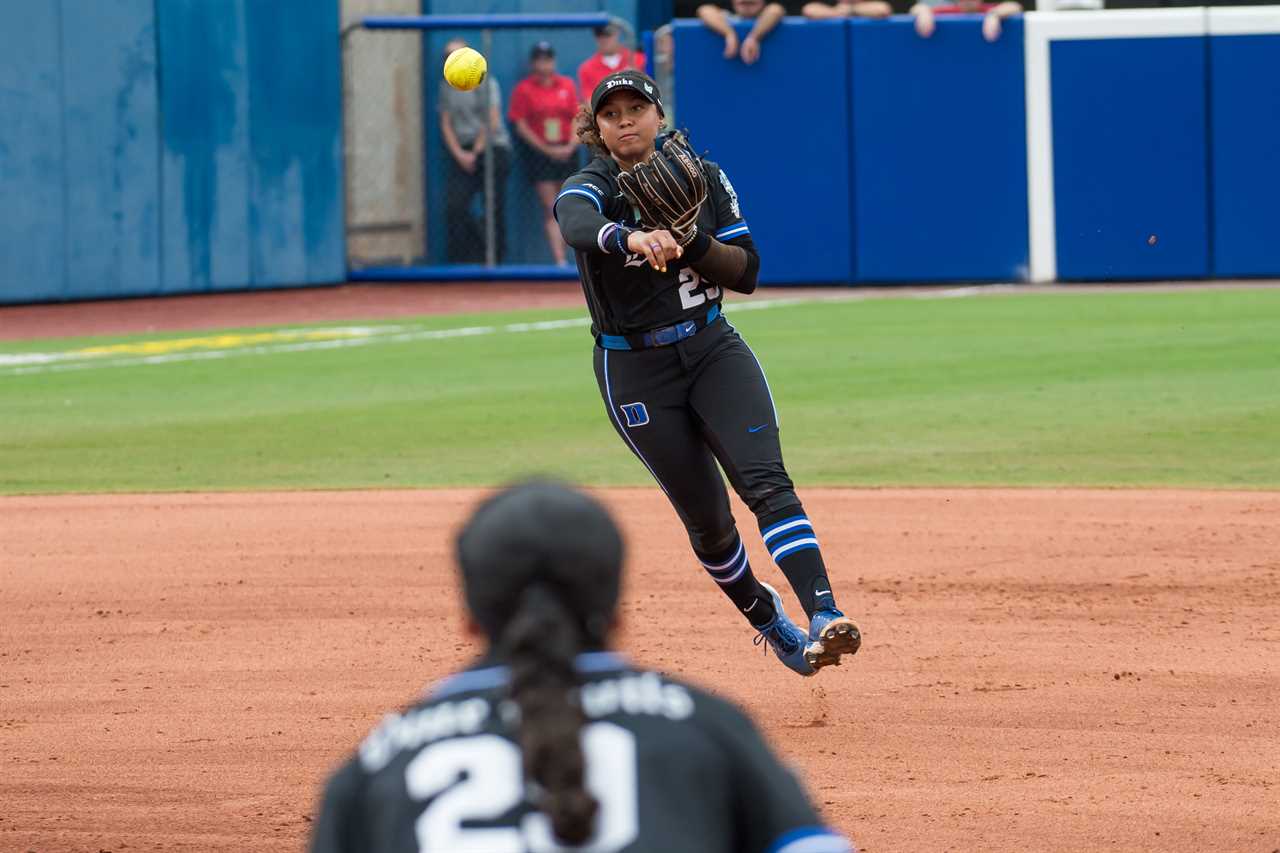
(624, 294)
(674, 769)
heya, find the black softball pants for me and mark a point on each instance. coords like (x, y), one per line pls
(685, 407)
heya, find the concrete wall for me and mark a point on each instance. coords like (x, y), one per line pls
(382, 95)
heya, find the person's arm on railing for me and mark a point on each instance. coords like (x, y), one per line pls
(991, 26)
(861, 9)
(716, 20)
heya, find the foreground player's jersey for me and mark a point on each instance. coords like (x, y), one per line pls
(624, 294)
(674, 769)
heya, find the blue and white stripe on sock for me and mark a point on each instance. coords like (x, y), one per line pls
(731, 569)
(788, 536)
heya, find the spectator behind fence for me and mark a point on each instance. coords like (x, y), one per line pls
(543, 106)
(610, 56)
(471, 141)
(863, 9)
(993, 13)
(766, 17)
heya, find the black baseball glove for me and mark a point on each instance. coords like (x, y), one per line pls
(668, 188)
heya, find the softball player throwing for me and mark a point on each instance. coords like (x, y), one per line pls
(658, 235)
(551, 743)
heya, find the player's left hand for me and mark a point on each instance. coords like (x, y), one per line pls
(750, 50)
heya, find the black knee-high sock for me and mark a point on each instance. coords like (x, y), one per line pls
(731, 570)
(791, 542)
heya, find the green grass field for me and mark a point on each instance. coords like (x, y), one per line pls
(1109, 389)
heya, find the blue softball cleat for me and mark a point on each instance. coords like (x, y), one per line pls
(831, 634)
(786, 640)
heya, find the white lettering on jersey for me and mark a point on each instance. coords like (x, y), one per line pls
(733, 194)
(399, 732)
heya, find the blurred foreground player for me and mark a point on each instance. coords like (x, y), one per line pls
(551, 741)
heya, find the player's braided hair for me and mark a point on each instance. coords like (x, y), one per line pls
(541, 569)
(540, 642)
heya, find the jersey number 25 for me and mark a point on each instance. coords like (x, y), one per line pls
(481, 778)
(690, 281)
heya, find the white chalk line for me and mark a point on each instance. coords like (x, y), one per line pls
(63, 362)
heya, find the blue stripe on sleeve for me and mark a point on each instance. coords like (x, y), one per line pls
(595, 199)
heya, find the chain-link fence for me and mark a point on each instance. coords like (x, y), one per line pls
(443, 183)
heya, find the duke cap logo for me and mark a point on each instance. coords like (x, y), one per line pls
(637, 81)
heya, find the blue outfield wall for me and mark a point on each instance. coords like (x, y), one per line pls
(297, 219)
(33, 202)
(112, 166)
(1130, 155)
(780, 129)
(168, 146)
(939, 152)
(1244, 81)
(178, 146)
(206, 156)
(1160, 152)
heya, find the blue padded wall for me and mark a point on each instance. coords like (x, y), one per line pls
(129, 164)
(297, 227)
(112, 154)
(508, 64)
(252, 103)
(1244, 98)
(791, 164)
(1130, 158)
(33, 215)
(205, 163)
(939, 152)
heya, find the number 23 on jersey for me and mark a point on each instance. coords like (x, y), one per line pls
(690, 294)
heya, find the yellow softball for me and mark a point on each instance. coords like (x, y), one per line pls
(465, 69)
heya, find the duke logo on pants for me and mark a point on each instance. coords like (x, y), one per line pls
(637, 414)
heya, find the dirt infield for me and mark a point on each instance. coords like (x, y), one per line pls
(1044, 670)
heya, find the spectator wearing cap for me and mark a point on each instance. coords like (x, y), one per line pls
(766, 17)
(992, 14)
(542, 111)
(470, 140)
(610, 56)
(859, 9)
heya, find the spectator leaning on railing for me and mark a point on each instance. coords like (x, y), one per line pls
(863, 9)
(766, 17)
(993, 13)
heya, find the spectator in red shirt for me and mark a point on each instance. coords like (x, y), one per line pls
(543, 106)
(610, 56)
(992, 14)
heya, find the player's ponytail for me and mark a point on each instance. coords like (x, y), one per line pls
(540, 643)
